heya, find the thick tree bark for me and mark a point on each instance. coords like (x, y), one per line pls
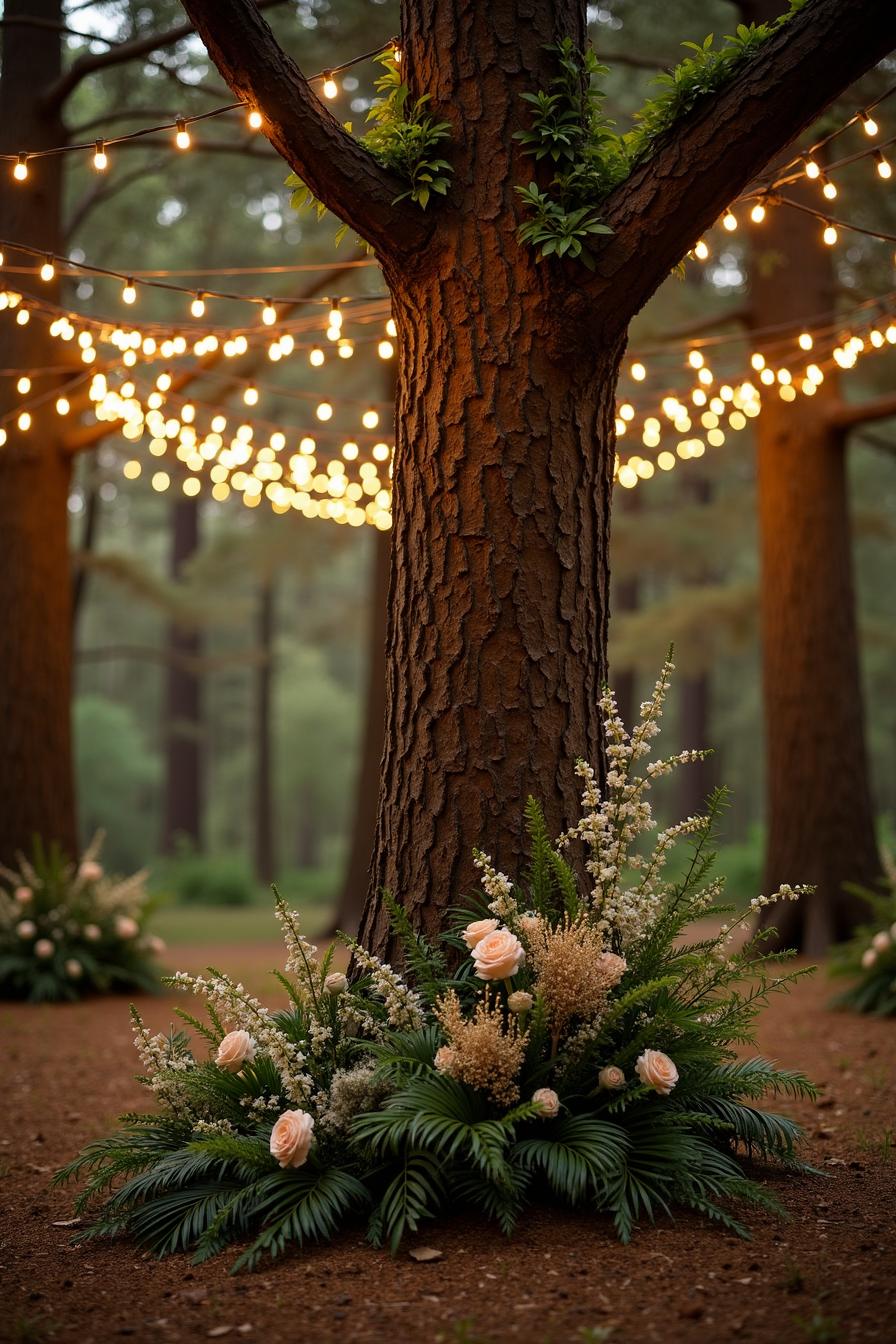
(265, 830)
(35, 477)
(820, 819)
(504, 447)
(183, 701)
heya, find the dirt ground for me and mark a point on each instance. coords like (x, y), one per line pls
(826, 1274)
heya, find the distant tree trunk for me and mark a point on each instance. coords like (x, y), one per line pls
(86, 547)
(354, 886)
(265, 831)
(820, 819)
(308, 829)
(625, 596)
(35, 476)
(183, 700)
(695, 696)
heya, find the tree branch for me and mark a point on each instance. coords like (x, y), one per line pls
(336, 168)
(659, 212)
(847, 415)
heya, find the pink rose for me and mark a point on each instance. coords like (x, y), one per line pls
(444, 1059)
(291, 1138)
(26, 928)
(44, 948)
(656, 1070)
(475, 932)
(23, 895)
(547, 1101)
(125, 927)
(614, 967)
(90, 871)
(236, 1049)
(611, 1078)
(498, 955)
(881, 941)
(92, 932)
(156, 945)
(73, 969)
(869, 957)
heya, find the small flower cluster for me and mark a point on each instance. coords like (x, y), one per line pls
(68, 929)
(870, 958)
(484, 1051)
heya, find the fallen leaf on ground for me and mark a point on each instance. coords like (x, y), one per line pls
(421, 1253)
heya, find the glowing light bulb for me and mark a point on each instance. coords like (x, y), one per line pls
(24, 384)
(331, 88)
(884, 167)
(163, 382)
(335, 317)
(729, 222)
(639, 372)
(829, 236)
(129, 293)
(385, 349)
(828, 187)
(757, 360)
(48, 270)
(197, 307)
(695, 359)
(757, 214)
(100, 157)
(255, 119)
(869, 125)
(23, 317)
(346, 349)
(812, 169)
(370, 419)
(20, 171)
(24, 421)
(391, 329)
(63, 406)
(701, 250)
(182, 138)
(324, 411)
(268, 313)
(316, 357)
(250, 396)
(805, 340)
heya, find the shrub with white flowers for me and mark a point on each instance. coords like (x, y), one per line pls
(869, 958)
(553, 1043)
(69, 929)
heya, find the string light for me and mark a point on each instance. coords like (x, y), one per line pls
(48, 270)
(100, 157)
(385, 350)
(268, 313)
(829, 235)
(316, 356)
(255, 119)
(330, 87)
(828, 187)
(869, 125)
(701, 250)
(638, 371)
(182, 138)
(250, 396)
(20, 171)
(24, 384)
(805, 340)
(63, 406)
(129, 293)
(884, 167)
(757, 214)
(197, 307)
(729, 221)
(812, 169)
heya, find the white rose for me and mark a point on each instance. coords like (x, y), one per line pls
(73, 968)
(126, 927)
(498, 955)
(93, 933)
(611, 1078)
(868, 958)
(291, 1138)
(656, 1070)
(444, 1059)
(881, 941)
(236, 1049)
(475, 932)
(519, 1001)
(26, 928)
(547, 1101)
(90, 871)
(23, 895)
(336, 983)
(44, 948)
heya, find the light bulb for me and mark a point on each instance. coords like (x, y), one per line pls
(24, 421)
(63, 405)
(884, 167)
(324, 411)
(335, 318)
(370, 419)
(255, 119)
(316, 357)
(182, 138)
(639, 372)
(197, 307)
(100, 157)
(701, 250)
(250, 396)
(812, 169)
(757, 360)
(331, 88)
(828, 188)
(830, 235)
(757, 214)
(869, 124)
(20, 172)
(48, 270)
(129, 293)
(695, 359)
(805, 340)
(729, 221)
(268, 313)
(385, 349)
(24, 384)
(391, 329)
(345, 349)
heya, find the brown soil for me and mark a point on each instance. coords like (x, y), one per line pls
(826, 1274)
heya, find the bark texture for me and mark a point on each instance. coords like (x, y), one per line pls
(183, 701)
(35, 477)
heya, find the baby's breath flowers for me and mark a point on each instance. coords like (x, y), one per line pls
(486, 1051)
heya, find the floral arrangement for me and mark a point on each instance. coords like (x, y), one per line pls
(68, 929)
(554, 1043)
(869, 958)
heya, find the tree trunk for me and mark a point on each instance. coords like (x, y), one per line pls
(357, 872)
(35, 476)
(308, 829)
(626, 597)
(695, 694)
(86, 548)
(183, 701)
(820, 819)
(265, 855)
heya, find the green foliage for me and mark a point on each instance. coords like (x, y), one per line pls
(869, 958)
(205, 879)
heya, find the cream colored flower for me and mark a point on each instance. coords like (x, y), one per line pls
(73, 968)
(488, 1048)
(869, 957)
(156, 945)
(93, 933)
(291, 1138)
(881, 941)
(445, 1059)
(26, 928)
(530, 923)
(126, 927)
(23, 895)
(236, 1049)
(519, 1001)
(475, 932)
(498, 955)
(611, 1078)
(90, 871)
(656, 1070)
(335, 983)
(547, 1101)
(44, 948)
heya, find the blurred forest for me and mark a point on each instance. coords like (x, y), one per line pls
(223, 653)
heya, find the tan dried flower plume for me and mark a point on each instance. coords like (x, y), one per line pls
(573, 973)
(487, 1051)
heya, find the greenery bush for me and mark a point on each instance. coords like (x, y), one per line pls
(204, 879)
(869, 958)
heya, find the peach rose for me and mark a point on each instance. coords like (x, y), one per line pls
(869, 957)
(611, 1078)
(156, 944)
(893, 932)
(23, 895)
(73, 969)
(90, 871)
(475, 932)
(519, 1001)
(236, 1049)
(335, 983)
(291, 1138)
(126, 927)
(44, 948)
(547, 1101)
(656, 1070)
(444, 1059)
(881, 941)
(26, 928)
(498, 955)
(614, 967)
(93, 933)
